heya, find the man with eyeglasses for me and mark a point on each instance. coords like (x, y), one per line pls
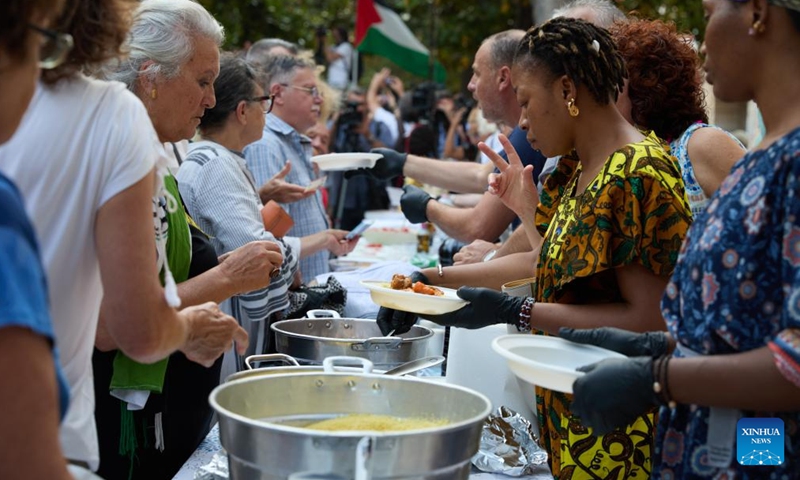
(296, 105)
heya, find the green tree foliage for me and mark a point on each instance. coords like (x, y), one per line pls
(687, 15)
(296, 20)
(459, 25)
(452, 29)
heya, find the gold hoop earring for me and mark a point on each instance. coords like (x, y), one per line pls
(757, 28)
(153, 94)
(573, 109)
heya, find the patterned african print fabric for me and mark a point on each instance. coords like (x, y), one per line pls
(736, 289)
(633, 212)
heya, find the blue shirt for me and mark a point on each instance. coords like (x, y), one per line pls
(23, 289)
(735, 287)
(279, 144)
(220, 195)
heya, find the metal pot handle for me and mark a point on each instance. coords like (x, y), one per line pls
(377, 344)
(363, 466)
(270, 357)
(364, 458)
(329, 364)
(321, 313)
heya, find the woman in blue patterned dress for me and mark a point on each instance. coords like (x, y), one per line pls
(732, 307)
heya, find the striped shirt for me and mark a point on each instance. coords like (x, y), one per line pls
(220, 195)
(280, 144)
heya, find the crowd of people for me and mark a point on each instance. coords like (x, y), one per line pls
(136, 269)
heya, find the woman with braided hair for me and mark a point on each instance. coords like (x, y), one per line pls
(608, 227)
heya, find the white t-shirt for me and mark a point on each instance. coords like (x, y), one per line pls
(339, 69)
(80, 144)
(390, 121)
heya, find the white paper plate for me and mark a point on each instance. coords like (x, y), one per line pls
(549, 362)
(334, 162)
(384, 296)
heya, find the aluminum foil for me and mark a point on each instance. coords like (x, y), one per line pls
(216, 469)
(508, 445)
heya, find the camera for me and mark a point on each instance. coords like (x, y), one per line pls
(350, 117)
(347, 127)
(467, 103)
(423, 100)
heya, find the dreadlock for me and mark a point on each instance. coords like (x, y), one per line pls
(583, 52)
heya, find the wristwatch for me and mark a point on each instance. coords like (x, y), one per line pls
(489, 255)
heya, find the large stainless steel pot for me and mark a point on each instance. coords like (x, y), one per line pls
(325, 334)
(262, 450)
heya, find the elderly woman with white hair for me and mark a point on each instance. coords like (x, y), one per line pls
(172, 62)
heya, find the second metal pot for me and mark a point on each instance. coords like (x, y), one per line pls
(325, 334)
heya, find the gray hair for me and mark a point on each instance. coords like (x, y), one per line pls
(261, 49)
(163, 31)
(607, 13)
(503, 47)
(281, 69)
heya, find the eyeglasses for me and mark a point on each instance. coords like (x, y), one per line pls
(314, 91)
(55, 48)
(266, 102)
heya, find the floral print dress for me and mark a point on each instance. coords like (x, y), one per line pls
(633, 212)
(698, 201)
(737, 288)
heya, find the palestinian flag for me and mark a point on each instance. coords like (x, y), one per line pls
(380, 31)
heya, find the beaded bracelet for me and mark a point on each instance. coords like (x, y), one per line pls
(661, 381)
(524, 320)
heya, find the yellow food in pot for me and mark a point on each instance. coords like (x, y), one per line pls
(374, 423)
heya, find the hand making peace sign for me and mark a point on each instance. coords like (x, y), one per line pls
(514, 184)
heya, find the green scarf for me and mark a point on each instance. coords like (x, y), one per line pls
(129, 374)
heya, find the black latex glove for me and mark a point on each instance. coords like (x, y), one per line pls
(650, 344)
(414, 203)
(390, 166)
(486, 307)
(397, 322)
(614, 392)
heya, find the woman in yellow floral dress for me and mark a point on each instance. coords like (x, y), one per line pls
(608, 227)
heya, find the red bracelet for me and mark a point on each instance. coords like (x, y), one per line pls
(524, 320)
